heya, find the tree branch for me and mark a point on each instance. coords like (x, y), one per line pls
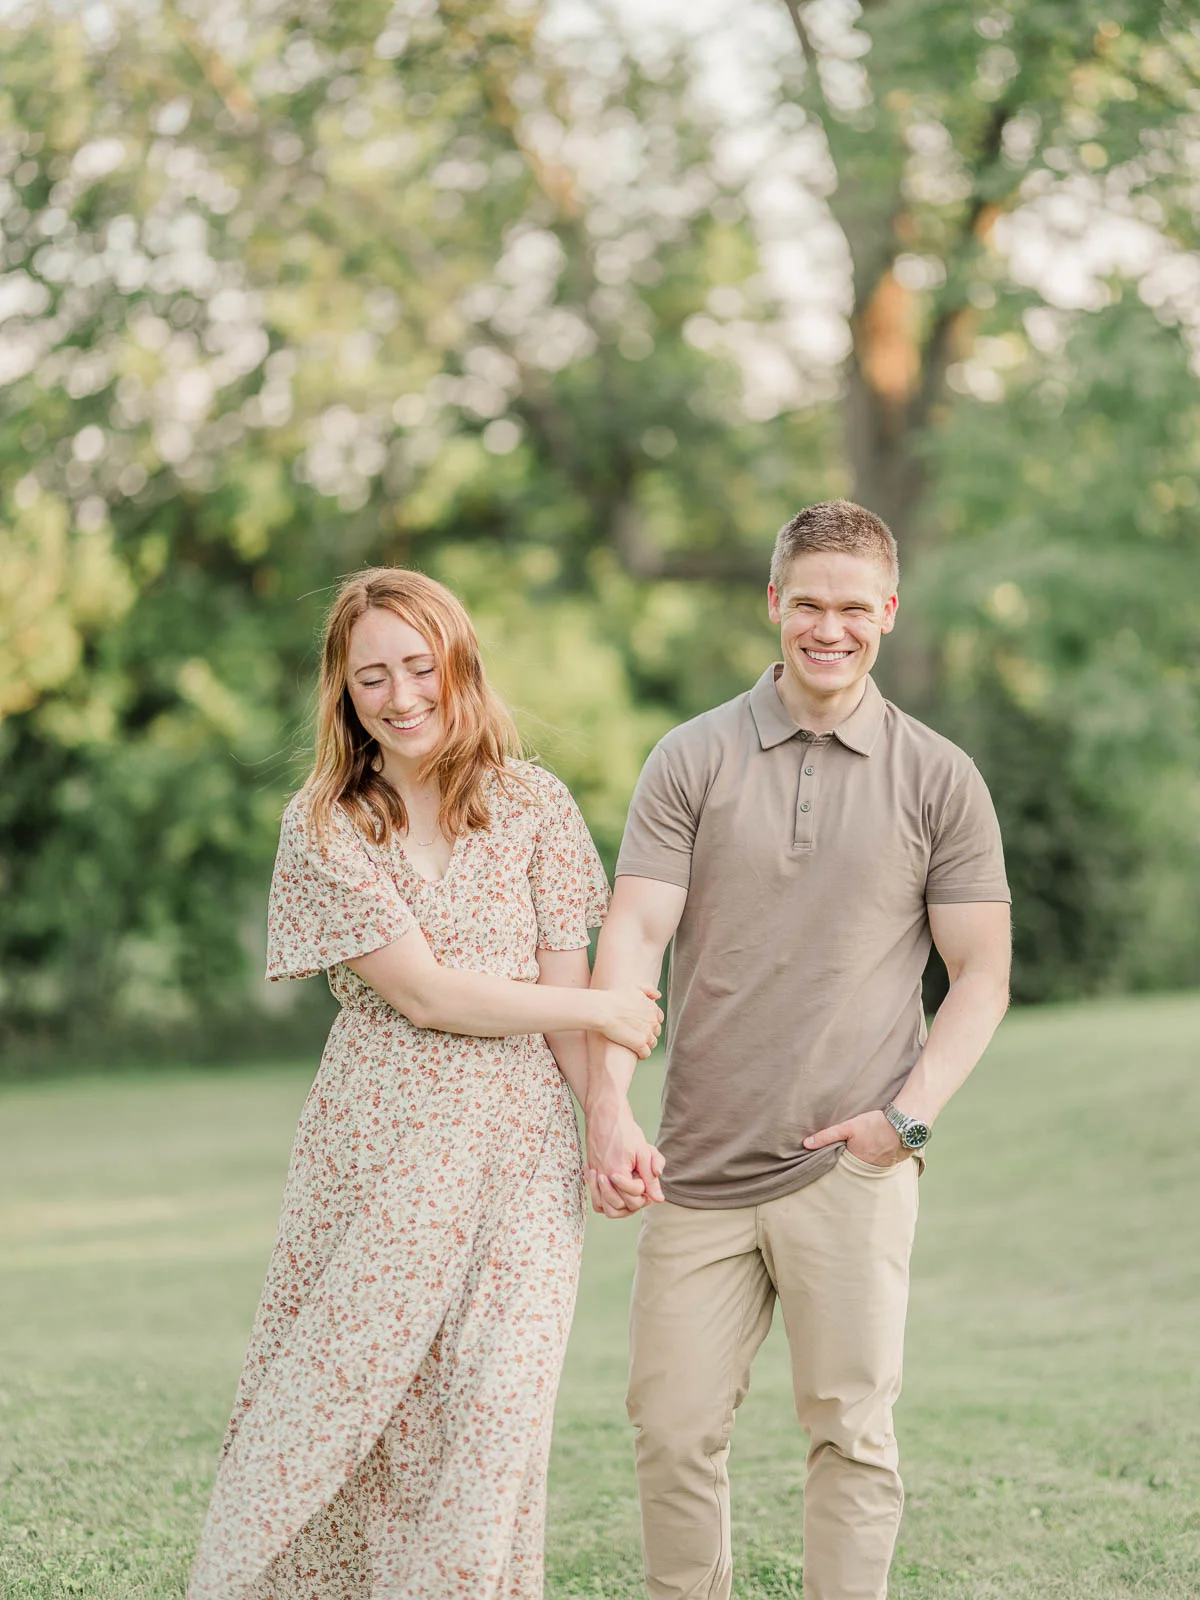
(218, 74)
(807, 48)
(935, 352)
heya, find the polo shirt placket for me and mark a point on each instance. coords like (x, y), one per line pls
(814, 746)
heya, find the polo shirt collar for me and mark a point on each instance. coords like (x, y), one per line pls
(858, 733)
(861, 728)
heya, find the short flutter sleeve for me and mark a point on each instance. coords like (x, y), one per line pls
(329, 900)
(566, 878)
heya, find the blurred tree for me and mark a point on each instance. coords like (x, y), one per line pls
(488, 289)
(1070, 662)
(939, 120)
(285, 298)
(1028, 429)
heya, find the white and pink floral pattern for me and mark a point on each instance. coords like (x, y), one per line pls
(392, 1423)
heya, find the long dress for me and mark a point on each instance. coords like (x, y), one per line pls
(392, 1424)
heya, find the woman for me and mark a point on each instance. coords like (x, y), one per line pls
(392, 1424)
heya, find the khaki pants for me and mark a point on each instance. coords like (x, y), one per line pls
(836, 1254)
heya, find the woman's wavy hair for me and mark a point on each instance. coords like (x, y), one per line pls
(480, 736)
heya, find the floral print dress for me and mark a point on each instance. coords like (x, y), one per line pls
(392, 1424)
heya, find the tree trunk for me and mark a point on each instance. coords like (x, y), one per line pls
(886, 378)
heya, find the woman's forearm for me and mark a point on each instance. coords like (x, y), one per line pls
(476, 1003)
(490, 1007)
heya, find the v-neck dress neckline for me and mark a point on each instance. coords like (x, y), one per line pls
(434, 883)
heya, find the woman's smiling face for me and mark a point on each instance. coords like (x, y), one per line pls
(395, 686)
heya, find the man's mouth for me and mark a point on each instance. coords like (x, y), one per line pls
(825, 657)
(407, 724)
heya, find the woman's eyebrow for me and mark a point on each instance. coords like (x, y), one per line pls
(381, 666)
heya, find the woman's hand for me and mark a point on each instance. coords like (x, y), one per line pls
(629, 1017)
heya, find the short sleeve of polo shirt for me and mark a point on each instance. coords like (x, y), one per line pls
(660, 829)
(966, 862)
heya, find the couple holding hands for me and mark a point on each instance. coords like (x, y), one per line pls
(798, 847)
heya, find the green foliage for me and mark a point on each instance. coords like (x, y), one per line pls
(334, 302)
(485, 290)
(1070, 663)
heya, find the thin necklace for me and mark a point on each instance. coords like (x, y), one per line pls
(424, 843)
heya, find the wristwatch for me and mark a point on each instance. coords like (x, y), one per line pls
(914, 1134)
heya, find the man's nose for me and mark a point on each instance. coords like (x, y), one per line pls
(828, 627)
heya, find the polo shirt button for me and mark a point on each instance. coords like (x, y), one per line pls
(808, 771)
(804, 805)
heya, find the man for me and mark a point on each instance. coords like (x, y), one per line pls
(800, 844)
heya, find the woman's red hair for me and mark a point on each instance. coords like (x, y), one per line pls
(480, 736)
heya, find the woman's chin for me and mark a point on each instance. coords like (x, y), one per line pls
(411, 749)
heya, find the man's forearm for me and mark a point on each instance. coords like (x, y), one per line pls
(609, 1074)
(624, 955)
(568, 969)
(623, 1166)
(958, 1036)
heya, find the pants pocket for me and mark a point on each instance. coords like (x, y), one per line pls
(856, 1164)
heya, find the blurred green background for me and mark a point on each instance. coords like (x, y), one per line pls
(571, 305)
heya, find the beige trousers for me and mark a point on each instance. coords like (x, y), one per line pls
(835, 1254)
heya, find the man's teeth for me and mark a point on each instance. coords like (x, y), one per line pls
(827, 655)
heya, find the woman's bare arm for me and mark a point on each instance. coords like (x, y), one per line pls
(406, 975)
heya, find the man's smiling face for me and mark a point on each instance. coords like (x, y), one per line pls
(832, 610)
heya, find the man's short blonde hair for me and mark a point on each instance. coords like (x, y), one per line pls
(836, 525)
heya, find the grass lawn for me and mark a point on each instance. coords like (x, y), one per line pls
(1050, 1425)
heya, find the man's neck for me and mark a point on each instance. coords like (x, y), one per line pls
(817, 715)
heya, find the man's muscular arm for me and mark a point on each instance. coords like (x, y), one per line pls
(975, 942)
(567, 969)
(623, 1167)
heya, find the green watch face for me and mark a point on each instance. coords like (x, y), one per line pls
(915, 1135)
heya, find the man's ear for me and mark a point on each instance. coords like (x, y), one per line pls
(772, 603)
(890, 606)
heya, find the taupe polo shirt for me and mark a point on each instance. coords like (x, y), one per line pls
(809, 861)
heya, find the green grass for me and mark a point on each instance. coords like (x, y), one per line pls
(1050, 1425)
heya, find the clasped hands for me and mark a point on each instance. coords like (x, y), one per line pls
(623, 1167)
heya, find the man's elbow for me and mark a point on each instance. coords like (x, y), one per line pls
(1003, 995)
(987, 982)
(640, 939)
(994, 984)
